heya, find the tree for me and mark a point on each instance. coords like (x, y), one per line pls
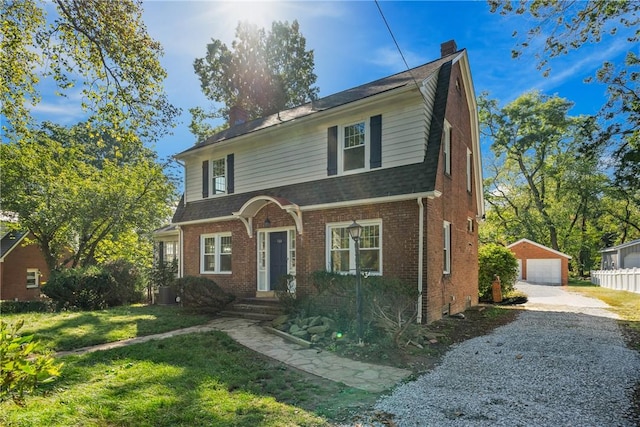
(262, 73)
(82, 193)
(102, 45)
(569, 25)
(539, 186)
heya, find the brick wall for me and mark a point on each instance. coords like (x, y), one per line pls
(13, 276)
(455, 291)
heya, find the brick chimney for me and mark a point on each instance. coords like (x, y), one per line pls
(237, 115)
(447, 48)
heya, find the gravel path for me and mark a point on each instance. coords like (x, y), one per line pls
(547, 368)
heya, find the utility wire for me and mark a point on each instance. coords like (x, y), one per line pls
(399, 50)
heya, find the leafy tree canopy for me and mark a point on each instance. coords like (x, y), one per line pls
(102, 46)
(262, 73)
(84, 194)
(570, 25)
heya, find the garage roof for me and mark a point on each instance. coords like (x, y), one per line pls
(540, 246)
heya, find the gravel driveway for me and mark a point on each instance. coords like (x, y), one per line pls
(563, 362)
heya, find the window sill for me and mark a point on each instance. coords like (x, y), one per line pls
(211, 273)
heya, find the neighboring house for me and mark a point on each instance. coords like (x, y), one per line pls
(540, 264)
(400, 155)
(22, 267)
(626, 255)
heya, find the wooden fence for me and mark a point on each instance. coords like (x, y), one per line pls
(626, 279)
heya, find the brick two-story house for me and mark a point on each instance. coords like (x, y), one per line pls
(399, 155)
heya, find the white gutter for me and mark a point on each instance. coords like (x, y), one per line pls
(180, 252)
(420, 257)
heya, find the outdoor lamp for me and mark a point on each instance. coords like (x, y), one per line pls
(355, 230)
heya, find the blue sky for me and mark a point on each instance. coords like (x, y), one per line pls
(352, 46)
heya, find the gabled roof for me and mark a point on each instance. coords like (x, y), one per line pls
(621, 246)
(396, 81)
(10, 241)
(519, 242)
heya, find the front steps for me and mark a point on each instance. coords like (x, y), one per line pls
(255, 308)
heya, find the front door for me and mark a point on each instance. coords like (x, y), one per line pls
(277, 257)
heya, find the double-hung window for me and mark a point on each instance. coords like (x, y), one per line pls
(215, 253)
(446, 147)
(446, 268)
(33, 277)
(169, 251)
(354, 146)
(341, 255)
(218, 176)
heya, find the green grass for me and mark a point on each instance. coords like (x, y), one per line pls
(625, 304)
(76, 329)
(189, 380)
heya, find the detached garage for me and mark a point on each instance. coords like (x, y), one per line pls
(540, 264)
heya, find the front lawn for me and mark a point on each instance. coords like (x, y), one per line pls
(76, 329)
(189, 380)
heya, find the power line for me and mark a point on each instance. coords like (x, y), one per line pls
(399, 50)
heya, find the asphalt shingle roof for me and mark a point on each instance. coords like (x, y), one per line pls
(409, 179)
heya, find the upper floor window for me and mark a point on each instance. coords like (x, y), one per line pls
(215, 253)
(341, 255)
(446, 147)
(218, 176)
(33, 277)
(354, 142)
(355, 147)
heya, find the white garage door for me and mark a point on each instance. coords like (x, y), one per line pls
(544, 271)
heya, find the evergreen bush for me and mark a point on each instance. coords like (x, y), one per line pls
(495, 260)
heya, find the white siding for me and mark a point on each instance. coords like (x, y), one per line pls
(297, 152)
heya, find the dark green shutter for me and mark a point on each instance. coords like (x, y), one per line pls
(205, 179)
(332, 150)
(230, 183)
(375, 124)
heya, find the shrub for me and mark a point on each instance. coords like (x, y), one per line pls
(24, 364)
(7, 307)
(81, 288)
(389, 304)
(128, 286)
(202, 294)
(495, 260)
(164, 273)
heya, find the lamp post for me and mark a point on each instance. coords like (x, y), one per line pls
(355, 230)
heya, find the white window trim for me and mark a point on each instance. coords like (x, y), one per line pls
(352, 253)
(470, 225)
(446, 268)
(37, 275)
(218, 247)
(367, 146)
(446, 147)
(212, 187)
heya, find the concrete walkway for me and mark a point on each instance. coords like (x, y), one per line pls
(364, 376)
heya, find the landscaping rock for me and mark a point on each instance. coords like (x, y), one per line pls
(318, 329)
(300, 334)
(280, 320)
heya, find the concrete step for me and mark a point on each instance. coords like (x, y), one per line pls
(248, 315)
(257, 308)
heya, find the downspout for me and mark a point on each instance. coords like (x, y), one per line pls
(420, 257)
(180, 252)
